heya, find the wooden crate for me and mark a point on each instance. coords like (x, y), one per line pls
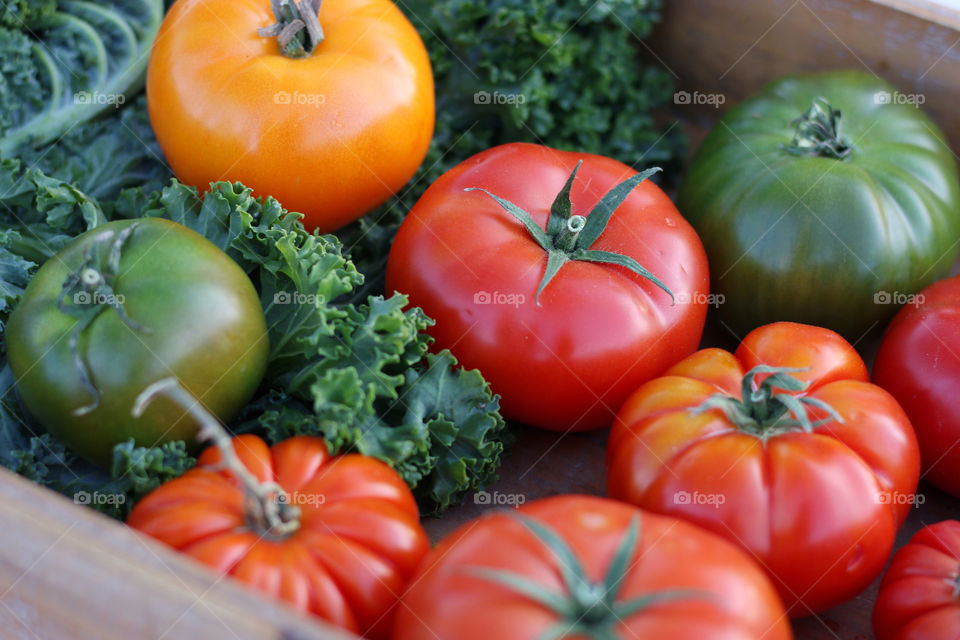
(68, 573)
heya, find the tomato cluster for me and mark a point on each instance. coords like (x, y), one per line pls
(743, 487)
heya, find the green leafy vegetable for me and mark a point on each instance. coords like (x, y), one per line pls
(357, 374)
(64, 62)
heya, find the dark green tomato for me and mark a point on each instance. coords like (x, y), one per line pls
(169, 303)
(823, 229)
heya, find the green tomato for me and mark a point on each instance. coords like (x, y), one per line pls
(821, 219)
(122, 306)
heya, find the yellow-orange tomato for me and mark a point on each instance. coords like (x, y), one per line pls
(331, 135)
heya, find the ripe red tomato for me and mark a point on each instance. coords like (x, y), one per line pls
(565, 354)
(331, 134)
(919, 364)
(592, 569)
(359, 537)
(784, 448)
(919, 598)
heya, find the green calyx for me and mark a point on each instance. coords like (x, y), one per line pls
(818, 133)
(297, 29)
(569, 237)
(764, 409)
(88, 292)
(586, 608)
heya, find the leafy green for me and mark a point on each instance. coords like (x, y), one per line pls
(565, 74)
(357, 374)
(65, 62)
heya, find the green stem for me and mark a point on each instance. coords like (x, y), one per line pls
(569, 237)
(566, 239)
(818, 133)
(297, 28)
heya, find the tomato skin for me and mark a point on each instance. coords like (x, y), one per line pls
(815, 239)
(446, 601)
(601, 330)
(352, 555)
(227, 105)
(917, 598)
(819, 510)
(919, 364)
(205, 323)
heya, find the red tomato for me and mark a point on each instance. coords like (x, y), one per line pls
(587, 568)
(919, 364)
(567, 359)
(358, 542)
(815, 494)
(919, 597)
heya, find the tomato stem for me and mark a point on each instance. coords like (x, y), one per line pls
(569, 237)
(297, 27)
(267, 509)
(818, 133)
(763, 410)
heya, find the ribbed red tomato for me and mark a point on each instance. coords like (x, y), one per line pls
(784, 448)
(358, 541)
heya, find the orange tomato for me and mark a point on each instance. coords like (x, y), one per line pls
(358, 542)
(331, 135)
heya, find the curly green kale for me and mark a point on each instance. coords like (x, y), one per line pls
(65, 62)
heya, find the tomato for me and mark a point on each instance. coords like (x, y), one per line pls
(587, 568)
(141, 300)
(332, 133)
(823, 199)
(782, 447)
(358, 541)
(919, 364)
(919, 598)
(562, 322)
